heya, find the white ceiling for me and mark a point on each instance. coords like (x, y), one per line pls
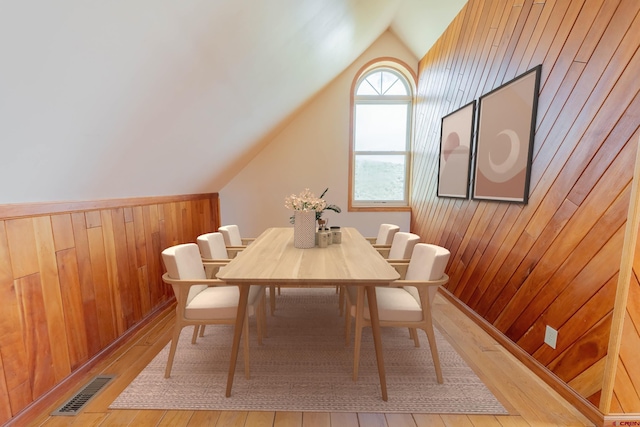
(142, 86)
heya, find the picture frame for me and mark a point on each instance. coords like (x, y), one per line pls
(456, 144)
(504, 139)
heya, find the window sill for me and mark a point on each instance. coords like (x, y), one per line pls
(379, 209)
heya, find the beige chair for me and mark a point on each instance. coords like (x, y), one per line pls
(401, 247)
(385, 235)
(202, 301)
(235, 243)
(215, 255)
(213, 252)
(406, 303)
(232, 236)
(400, 251)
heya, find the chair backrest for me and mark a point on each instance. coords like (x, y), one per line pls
(402, 245)
(386, 233)
(212, 246)
(231, 234)
(428, 262)
(184, 262)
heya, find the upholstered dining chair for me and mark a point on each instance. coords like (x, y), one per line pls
(215, 255)
(202, 301)
(232, 236)
(400, 251)
(385, 235)
(401, 247)
(235, 243)
(405, 303)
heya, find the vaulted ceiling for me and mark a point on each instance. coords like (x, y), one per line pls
(140, 87)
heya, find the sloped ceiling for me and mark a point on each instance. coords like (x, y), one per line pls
(159, 97)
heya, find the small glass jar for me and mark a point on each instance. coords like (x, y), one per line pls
(336, 235)
(323, 238)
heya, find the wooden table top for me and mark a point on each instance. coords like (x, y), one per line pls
(272, 258)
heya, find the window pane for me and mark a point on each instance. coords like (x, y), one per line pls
(365, 88)
(391, 84)
(379, 178)
(381, 127)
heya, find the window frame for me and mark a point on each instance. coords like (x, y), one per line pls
(410, 78)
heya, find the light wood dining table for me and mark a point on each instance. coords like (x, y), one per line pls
(272, 259)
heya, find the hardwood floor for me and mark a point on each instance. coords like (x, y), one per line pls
(528, 399)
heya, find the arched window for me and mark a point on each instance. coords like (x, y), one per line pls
(381, 124)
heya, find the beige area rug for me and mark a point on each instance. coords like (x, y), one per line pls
(304, 366)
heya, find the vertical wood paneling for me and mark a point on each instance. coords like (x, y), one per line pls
(554, 261)
(51, 291)
(71, 283)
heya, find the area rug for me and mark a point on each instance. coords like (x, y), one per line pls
(304, 365)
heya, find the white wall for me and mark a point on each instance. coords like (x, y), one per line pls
(312, 151)
(111, 99)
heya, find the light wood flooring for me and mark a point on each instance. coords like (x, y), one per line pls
(527, 398)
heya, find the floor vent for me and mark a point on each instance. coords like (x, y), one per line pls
(77, 402)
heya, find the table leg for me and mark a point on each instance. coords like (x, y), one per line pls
(377, 341)
(237, 334)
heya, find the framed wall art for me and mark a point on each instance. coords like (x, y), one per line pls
(456, 138)
(504, 142)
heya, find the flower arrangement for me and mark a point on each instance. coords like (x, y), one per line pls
(307, 201)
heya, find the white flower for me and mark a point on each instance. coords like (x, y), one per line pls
(305, 201)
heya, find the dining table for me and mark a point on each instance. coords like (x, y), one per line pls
(272, 259)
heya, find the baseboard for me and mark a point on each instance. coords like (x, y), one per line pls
(576, 400)
(47, 400)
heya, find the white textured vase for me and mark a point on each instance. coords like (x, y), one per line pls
(304, 229)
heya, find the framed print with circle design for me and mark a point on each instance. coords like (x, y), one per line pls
(505, 137)
(456, 138)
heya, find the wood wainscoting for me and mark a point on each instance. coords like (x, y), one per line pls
(77, 278)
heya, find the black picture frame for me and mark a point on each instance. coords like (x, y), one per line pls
(504, 139)
(456, 145)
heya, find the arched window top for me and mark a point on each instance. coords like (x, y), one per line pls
(383, 82)
(380, 150)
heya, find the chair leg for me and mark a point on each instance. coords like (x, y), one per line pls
(172, 349)
(358, 331)
(261, 319)
(245, 331)
(340, 290)
(196, 329)
(272, 298)
(263, 313)
(413, 333)
(202, 330)
(259, 309)
(434, 351)
(347, 323)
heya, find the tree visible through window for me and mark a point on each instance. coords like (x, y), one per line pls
(381, 139)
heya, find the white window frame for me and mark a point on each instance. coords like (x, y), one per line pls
(409, 82)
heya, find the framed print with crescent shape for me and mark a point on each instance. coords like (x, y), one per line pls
(505, 136)
(456, 138)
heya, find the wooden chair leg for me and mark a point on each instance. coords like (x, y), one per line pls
(202, 330)
(172, 349)
(245, 331)
(358, 331)
(434, 351)
(413, 332)
(341, 298)
(259, 324)
(272, 298)
(347, 323)
(196, 329)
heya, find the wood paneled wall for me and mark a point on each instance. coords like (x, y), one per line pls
(556, 260)
(75, 277)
